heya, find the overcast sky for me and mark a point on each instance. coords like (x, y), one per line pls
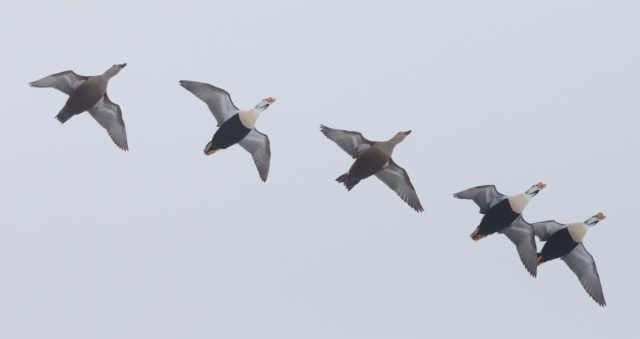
(165, 242)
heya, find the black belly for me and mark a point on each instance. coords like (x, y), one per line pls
(558, 245)
(230, 133)
(497, 218)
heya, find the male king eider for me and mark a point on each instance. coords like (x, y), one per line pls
(236, 126)
(89, 93)
(565, 242)
(503, 214)
(374, 158)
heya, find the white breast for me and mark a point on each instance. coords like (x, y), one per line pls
(519, 202)
(248, 118)
(577, 230)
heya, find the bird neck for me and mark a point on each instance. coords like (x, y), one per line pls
(386, 146)
(577, 231)
(519, 201)
(249, 118)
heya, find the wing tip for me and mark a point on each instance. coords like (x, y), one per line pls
(324, 129)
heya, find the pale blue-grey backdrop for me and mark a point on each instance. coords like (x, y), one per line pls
(164, 242)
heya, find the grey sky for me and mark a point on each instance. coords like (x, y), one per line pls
(164, 242)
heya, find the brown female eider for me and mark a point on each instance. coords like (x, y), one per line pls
(374, 158)
(89, 94)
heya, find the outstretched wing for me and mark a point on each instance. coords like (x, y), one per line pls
(109, 116)
(521, 234)
(398, 180)
(351, 142)
(65, 82)
(583, 265)
(218, 100)
(544, 229)
(257, 144)
(484, 196)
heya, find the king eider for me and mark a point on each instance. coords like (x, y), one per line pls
(565, 242)
(236, 126)
(374, 158)
(503, 214)
(89, 94)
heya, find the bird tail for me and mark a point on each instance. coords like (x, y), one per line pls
(344, 179)
(475, 236)
(63, 116)
(208, 150)
(539, 260)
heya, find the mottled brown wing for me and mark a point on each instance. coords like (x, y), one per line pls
(109, 116)
(65, 82)
(398, 180)
(351, 142)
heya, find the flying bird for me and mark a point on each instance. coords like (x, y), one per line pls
(235, 126)
(89, 93)
(565, 242)
(503, 214)
(374, 158)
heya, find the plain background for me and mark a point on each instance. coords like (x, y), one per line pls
(164, 242)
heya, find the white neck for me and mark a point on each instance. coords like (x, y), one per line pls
(249, 118)
(519, 201)
(577, 230)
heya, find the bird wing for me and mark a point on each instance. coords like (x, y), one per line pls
(484, 196)
(257, 144)
(583, 265)
(397, 179)
(65, 82)
(109, 116)
(544, 229)
(351, 142)
(218, 100)
(521, 234)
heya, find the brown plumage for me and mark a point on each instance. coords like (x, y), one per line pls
(89, 94)
(374, 158)
(367, 164)
(82, 99)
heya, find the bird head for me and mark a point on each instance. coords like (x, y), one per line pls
(535, 189)
(114, 70)
(264, 104)
(399, 137)
(595, 219)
